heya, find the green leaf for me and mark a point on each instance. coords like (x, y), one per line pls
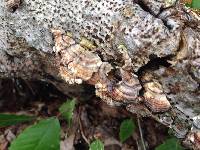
(188, 4)
(170, 144)
(127, 128)
(10, 119)
(42, 136)
(96, 145)
(67, 109)
(196, 4)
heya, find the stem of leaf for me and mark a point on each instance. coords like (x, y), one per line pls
(141, 134)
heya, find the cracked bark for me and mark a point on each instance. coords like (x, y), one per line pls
(142, 54)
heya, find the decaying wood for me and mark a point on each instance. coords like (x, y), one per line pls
(144, 54)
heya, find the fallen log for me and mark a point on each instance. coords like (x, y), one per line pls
(144, 55)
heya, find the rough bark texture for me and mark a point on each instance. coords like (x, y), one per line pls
(143, 54)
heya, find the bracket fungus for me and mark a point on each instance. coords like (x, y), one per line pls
(154, 96)
(79, 64)
(124, 91)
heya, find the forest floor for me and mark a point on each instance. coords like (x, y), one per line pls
(92, 117)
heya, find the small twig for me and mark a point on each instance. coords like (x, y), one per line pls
(138, 147)
(58, 115)
(81, 129)
(141, 134)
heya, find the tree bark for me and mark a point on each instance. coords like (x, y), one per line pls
(142, 54)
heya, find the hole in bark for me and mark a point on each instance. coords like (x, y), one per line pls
(115, 74)
(154, 64)
(14, 8)
(147, 9)
(144, 7)
(169, 27)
